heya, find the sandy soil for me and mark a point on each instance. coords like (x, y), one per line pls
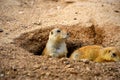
(24, 29)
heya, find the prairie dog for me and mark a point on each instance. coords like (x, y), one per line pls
(96, 53)
(56, 46)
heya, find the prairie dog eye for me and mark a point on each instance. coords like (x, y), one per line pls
(58, 31)
(114, 55)
(109, 51)
(51, 32)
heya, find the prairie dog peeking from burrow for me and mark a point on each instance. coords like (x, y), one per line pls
(96, 53)
(56, 46)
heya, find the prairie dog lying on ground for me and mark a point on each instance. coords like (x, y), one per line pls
(56, 46)
(96, 53)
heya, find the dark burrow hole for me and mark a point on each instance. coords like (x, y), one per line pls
(35, 41)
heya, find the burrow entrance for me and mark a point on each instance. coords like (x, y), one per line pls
(36, 40)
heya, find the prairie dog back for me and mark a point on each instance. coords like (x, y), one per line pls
(86, 52)
(96, 53)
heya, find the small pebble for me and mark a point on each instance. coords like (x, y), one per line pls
(69, 1)
(85, 61)
(15, 69)
(48, 73)
(87, 68)
(76, 12)
(1, 30)
(45, 68)
(6, 33)
(68, 66)
(102, 5)
(116, 11)
(21, 12)
(1, 75)
(75, 18)
(37, 23)
(67, 62)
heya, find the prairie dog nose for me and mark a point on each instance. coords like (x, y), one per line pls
(68, 34)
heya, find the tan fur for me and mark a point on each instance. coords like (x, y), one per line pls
(96, 53)
(56, 46)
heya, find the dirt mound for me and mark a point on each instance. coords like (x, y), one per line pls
(35, 41)
(19, 64)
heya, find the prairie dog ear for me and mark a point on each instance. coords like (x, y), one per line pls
(107, 50)
(104, 51)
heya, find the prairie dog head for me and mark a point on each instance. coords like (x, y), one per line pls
(58, 34)
(111, 54)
